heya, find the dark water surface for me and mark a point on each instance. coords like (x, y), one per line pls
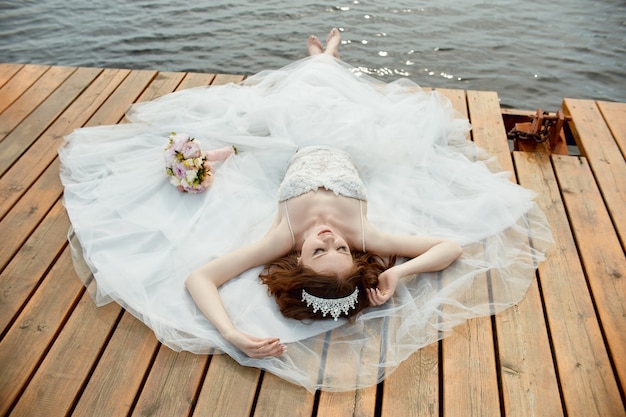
(533, 53)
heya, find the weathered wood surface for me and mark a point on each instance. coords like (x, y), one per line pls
(600, 143)
(561, 351)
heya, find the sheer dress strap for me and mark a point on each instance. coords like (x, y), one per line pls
(362, 225)
(293, 237)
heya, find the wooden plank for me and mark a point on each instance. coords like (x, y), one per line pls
(27, 132)
(361, 402)
(468, 355)
(488, 129)
(600, 251)
(113, 110)
(28, 339)
(29, 266)
(274, 388)
(66, 367)
(118, 377)
(7, 71)
(14, 85)
(20, 222)
(29, 167)
(163, 83)
(171, 387)
(605, 158)
(278, 395)
(458, 99)
(193, 79)
(32, 98)
(228, 389)
(587, 381)
(528, 377)
(341, 361)
(221, 79)
(527, 371)
(615, 117)
(413, 389)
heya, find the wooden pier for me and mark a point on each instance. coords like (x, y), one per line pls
(560, 352)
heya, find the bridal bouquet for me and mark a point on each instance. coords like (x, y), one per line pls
(189, 167)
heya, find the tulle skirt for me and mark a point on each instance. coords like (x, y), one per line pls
(139, 237)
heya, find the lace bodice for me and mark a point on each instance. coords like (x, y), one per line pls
(320, 166)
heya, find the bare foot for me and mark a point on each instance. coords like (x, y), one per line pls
(332, 43)
(314, 46)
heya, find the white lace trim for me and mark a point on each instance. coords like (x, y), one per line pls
(316, 167)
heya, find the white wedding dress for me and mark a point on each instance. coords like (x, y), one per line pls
(139, 237)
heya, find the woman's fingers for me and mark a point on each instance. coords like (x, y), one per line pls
(255, 347)
(267, 348)
(373, 296)
(377, 297)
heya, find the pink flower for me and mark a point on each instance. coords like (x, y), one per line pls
(188, 166)
(179, 139)
(179, 170)
(191, 149)
(171, 157)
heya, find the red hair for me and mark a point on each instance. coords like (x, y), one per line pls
(286, 278)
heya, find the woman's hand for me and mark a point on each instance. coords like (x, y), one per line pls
(256, 347)
(429, 254)
(387, 283)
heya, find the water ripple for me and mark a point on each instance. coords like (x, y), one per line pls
(533, 56)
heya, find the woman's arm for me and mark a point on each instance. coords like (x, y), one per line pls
(203, 284)
(428, 254)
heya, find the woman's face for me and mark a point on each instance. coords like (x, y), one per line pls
(325, 252)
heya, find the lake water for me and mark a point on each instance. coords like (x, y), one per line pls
(533, 53)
